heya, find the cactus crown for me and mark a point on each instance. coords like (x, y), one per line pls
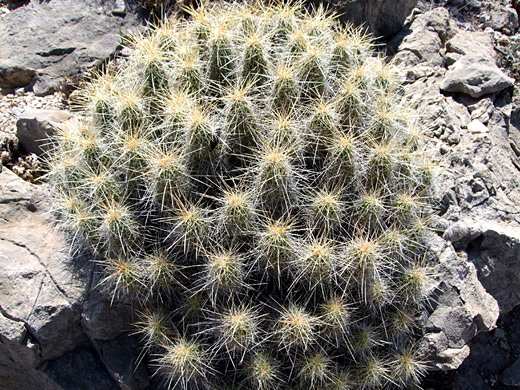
(249, 177)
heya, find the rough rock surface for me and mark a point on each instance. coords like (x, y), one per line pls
(422, 41)
(52, 320)
(470, 43)
(35, 127)
(45, 42)
(475, 76)
(461, 308)
(474, 141)
(492, 364)
(494, 248)
(382, 17)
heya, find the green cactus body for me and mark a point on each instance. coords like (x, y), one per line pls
(250, 179)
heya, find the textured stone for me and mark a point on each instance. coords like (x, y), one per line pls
(472, 43)
(58, 40)
(477, 127)
(494, 248)
(382, 17)
(119, 8)
(79, 369)
(29, 245)
(422, 42)
(461, 309)
(49, 310)
(502, 19)
(34, 127)
(476, 76)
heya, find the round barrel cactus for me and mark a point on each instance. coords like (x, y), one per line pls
(248, 177)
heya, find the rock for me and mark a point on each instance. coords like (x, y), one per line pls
(119, 8)
(46, 303)
(461, 309)
(47, 341)
(476, 76)
(12, 75)
(461, 233)
(496, 254)
(105, 319)
(382, 17)
(488, 362)
(121, 357)
(511, 375)
(494, 248)
(34, 127)
(503, 19)
(474, 143)
(516, 5)
(59, 40)
(79, 369)
(482, 110)
(477, 127)
(423, 40)
(471, 43)
(18, 356)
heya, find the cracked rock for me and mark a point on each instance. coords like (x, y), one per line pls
(422, 42)
(462, 308)
(29, 292)
(52, 321)
(59, 39)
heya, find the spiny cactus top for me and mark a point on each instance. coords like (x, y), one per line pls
(249, 177)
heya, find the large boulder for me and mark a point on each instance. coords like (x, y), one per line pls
(45, 42)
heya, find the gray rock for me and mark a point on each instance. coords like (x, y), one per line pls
(422, 42)
(119, 8)
(476, 182)
(382, 17)
(496, 254)
(502, 19)
(511, 375)
(58, 40)
(104, 319)
(18, 357)
(477, 127)
(79, 369)
(461, 310)
(471, 43)
(481, 110)
(476, 76)
(49, 310)
(46, 303)
(34, 127)
(121, 357)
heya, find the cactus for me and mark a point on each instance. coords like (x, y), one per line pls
(250, 180)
